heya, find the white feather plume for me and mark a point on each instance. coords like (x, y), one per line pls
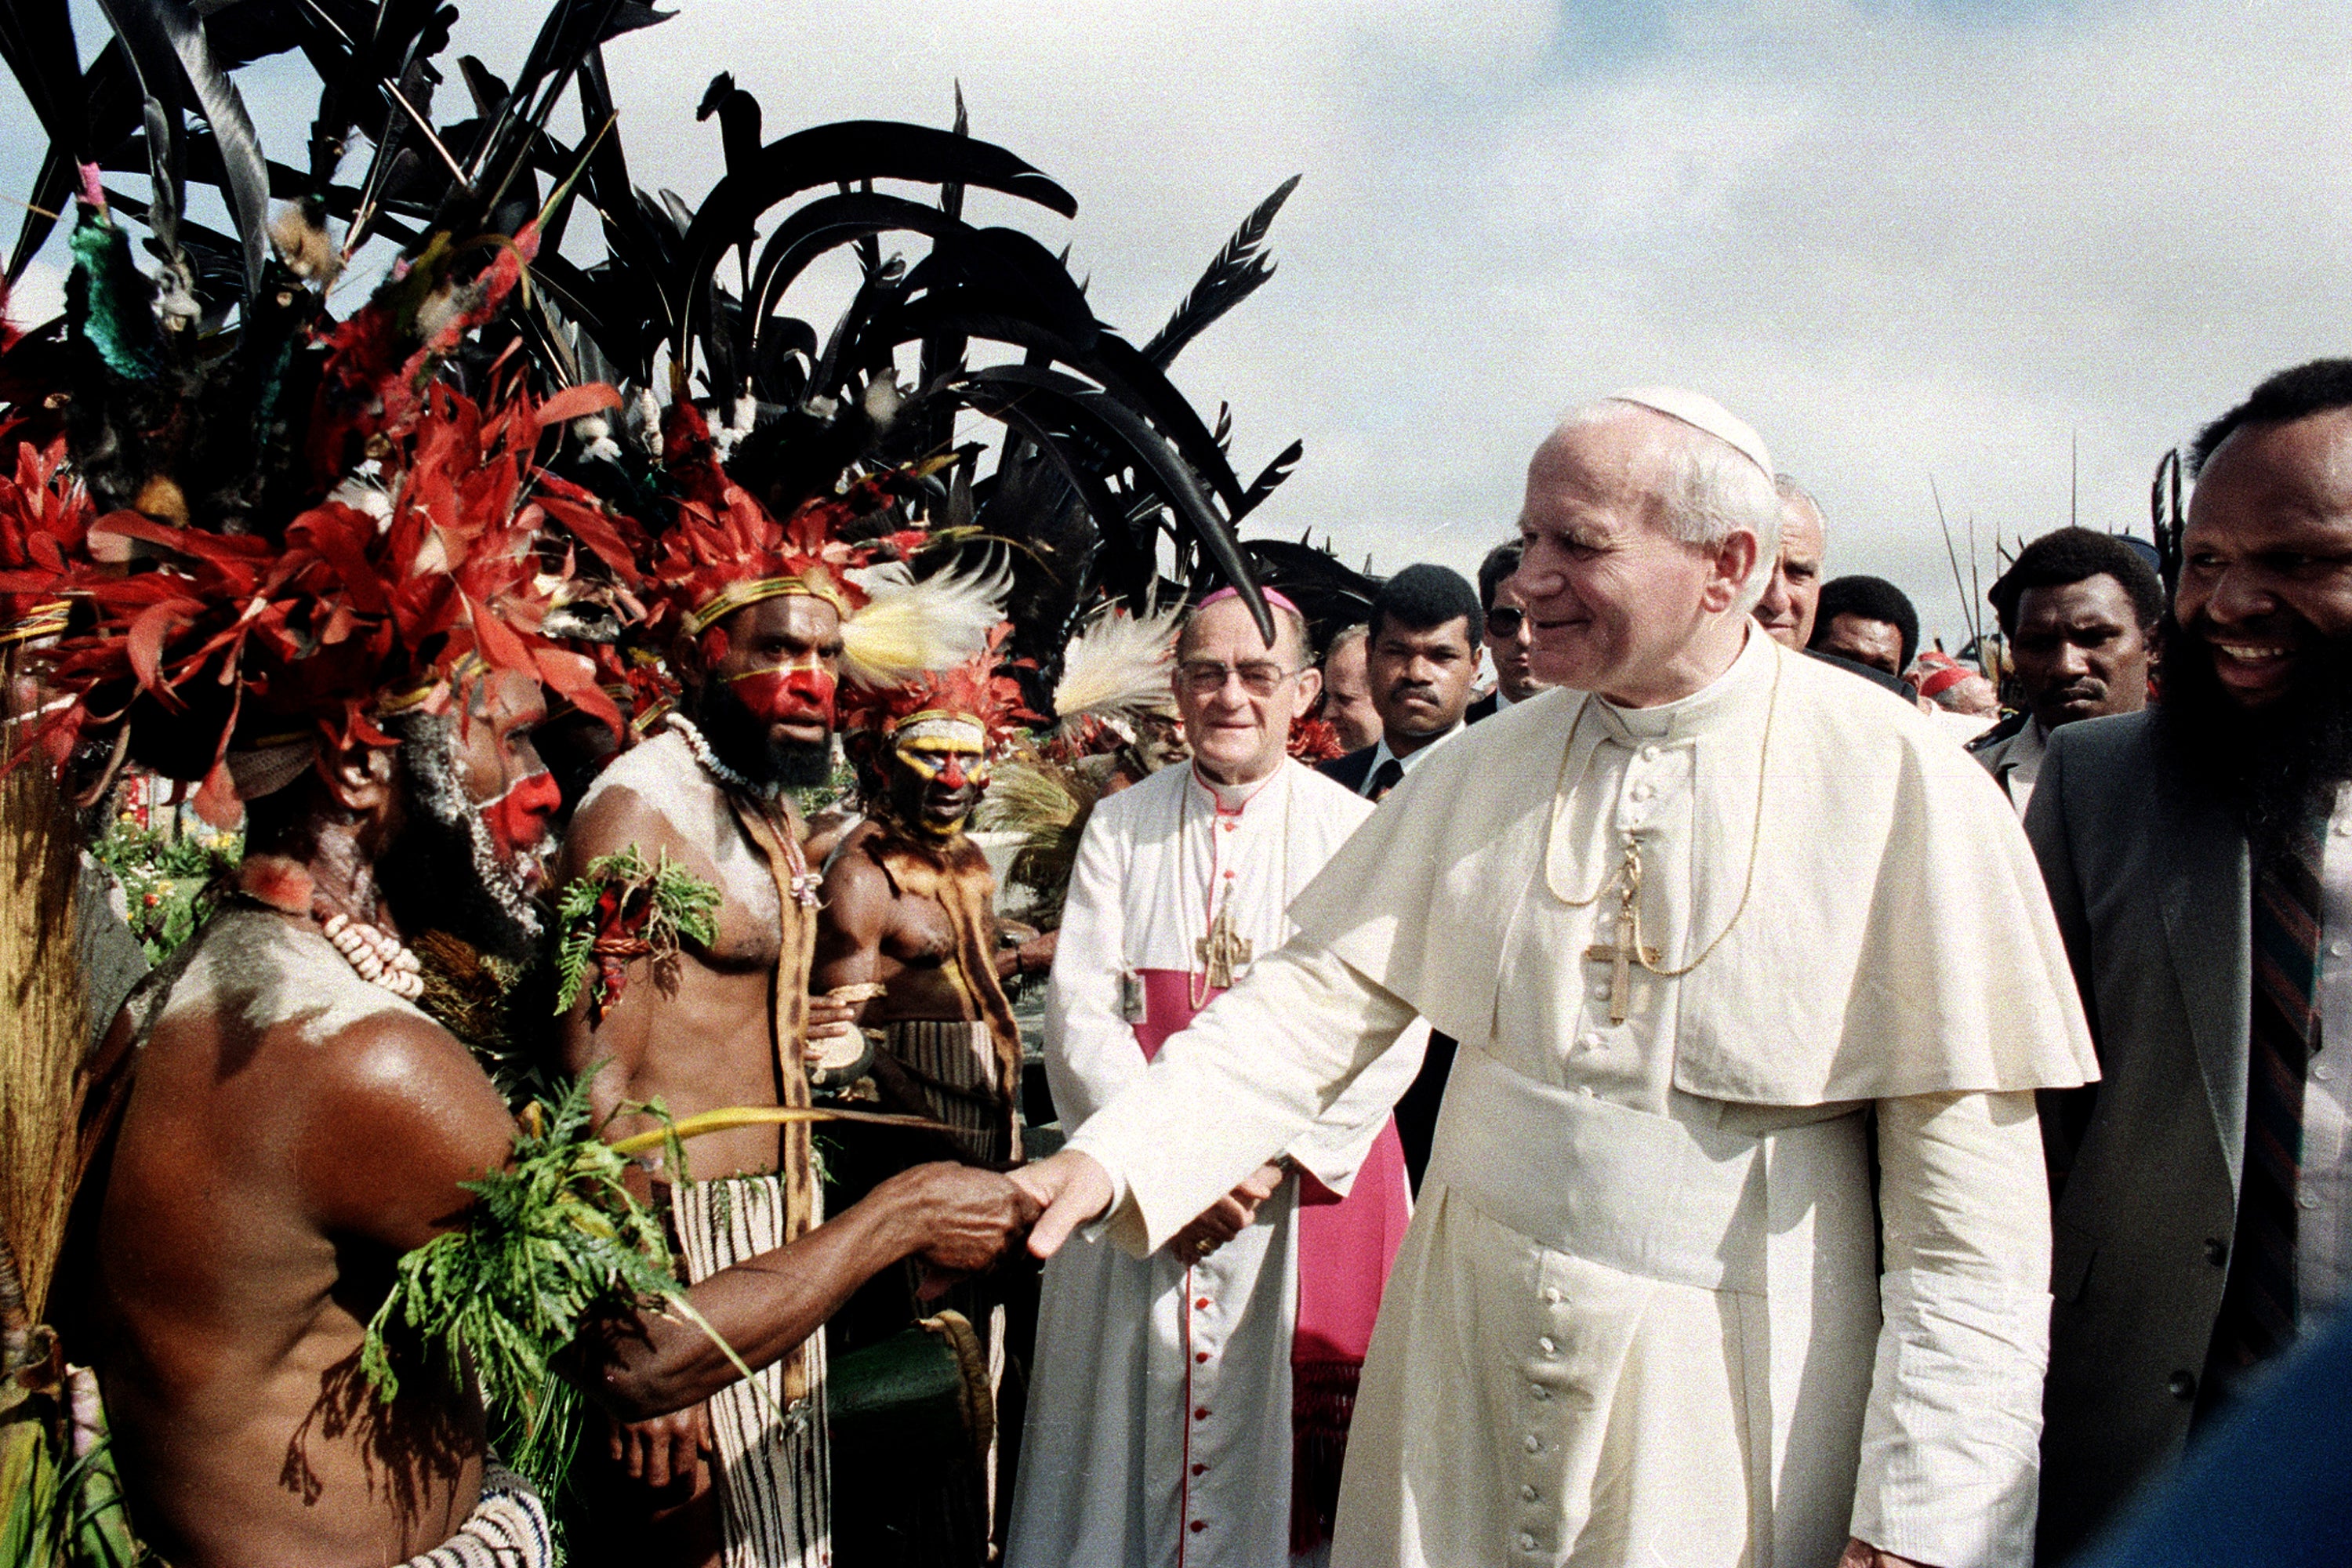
(908, 626)
(1119, 667)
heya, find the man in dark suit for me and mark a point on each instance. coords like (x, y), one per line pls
(2199, 855)
(1510, 640)
(1422, 651)
(1425, 625)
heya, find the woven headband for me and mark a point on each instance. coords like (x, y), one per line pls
(737, 595)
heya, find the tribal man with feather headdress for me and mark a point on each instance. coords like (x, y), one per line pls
(763, 616)
(358, 657)
(908, 928)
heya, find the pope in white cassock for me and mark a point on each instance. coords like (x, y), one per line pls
(1694, 917)
(1190, 1407)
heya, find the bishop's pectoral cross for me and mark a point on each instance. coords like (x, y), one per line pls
(1627, 950)
(1223, 948)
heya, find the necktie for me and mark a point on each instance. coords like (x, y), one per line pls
(2258, 1305)
(1385, 777)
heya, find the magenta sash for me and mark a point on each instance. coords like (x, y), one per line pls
(1346, 1247)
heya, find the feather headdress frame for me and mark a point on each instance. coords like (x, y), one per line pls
(421, 569)
(981, 691)
(1119, 668)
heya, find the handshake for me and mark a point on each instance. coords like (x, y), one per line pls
(959, 1220)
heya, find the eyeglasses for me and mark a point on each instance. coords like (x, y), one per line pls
(1504, 622)
(1206, 678)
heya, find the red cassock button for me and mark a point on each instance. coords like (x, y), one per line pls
(1199, 1355)
(1202, 1302)
(1202, 1414)
(1198, 1525)
(1199, 1469)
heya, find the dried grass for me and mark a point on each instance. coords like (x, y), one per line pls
(42, 1023)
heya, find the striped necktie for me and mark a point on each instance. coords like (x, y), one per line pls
(2258, 1306)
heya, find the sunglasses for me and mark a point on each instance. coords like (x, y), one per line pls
(1503, 621)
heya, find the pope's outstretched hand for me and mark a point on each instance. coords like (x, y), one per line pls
(1071, 1188)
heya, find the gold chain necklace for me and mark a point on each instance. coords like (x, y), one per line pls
(1224, 945)
(1628, 949)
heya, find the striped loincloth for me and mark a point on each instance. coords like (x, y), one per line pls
(507, 1528)
(955, 1065)
(775, 1483)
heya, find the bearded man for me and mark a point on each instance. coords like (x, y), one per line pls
(759, 645)
(2197, 855)
(1192, 1406)
(1634, 1318)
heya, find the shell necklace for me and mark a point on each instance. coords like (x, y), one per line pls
(374, 954)
(803, 882)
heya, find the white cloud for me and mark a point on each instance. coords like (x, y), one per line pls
(1904, 238)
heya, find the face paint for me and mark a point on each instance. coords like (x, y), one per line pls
(796, 693)
(517, 819)
(953, 767)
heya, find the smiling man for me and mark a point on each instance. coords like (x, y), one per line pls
(2081, 612)
(1682, 916)
(1192, 1406)
(2200, 858)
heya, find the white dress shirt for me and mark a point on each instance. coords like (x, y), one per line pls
(1382, 757)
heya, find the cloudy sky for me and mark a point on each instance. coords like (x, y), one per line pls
(1905, 240)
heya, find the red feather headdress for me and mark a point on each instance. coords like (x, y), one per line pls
(426, 568)
(977, 690)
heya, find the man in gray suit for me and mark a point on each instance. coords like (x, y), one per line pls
(2199, 855)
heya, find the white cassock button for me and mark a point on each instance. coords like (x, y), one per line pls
(1649, 754)
(2306, 1201)
(2322, 1072)
(1600, 991)
(1528, 1494)
(1527, 1541)
(2338, 949)
(1552, 1294)
(1531, 1443)
(1546, 1345)
(1643, 791)
(1590, 1039)
(1540, 1391)
(1584, 1090)
(2344, 830)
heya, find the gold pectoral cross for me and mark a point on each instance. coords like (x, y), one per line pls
(1627, 950)
(1223, 948)
(1620, 956)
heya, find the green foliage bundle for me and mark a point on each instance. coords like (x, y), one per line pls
(553, 1243)
(166, 880)
(621, 909)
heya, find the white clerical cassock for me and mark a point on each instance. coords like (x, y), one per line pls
(1638, 1318)
(1161, 1411)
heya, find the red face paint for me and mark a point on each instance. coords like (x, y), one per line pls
(519, 818)
(788, 693)
(952, 771)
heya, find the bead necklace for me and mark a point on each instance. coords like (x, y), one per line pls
(376, 955)
(801, 882)
(694, 742)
